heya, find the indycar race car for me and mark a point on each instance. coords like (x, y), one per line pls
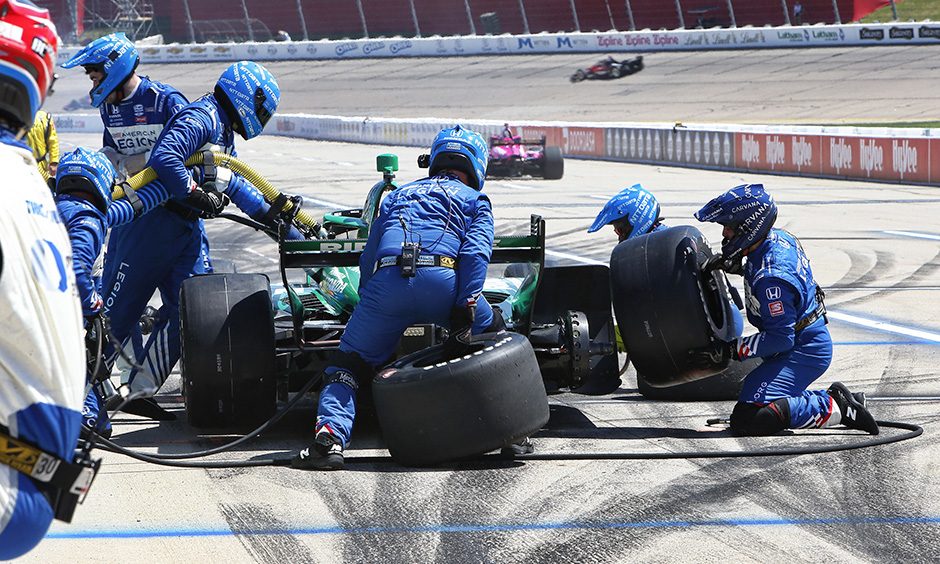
(609, 68)
(246, 348)
(512, 156)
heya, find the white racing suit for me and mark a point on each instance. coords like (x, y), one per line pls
(42, 349)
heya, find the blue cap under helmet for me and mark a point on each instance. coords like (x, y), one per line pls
(86, 171)
(249, 94)
(460, 149)
(634, 204)
(748, 210)
(115, 56)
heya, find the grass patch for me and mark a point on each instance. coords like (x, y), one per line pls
(917, 10)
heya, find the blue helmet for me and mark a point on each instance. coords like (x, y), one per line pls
(460, 149)
(635, 207)
(748, 210)
(249, 94)
(115, 56)
(86, 171)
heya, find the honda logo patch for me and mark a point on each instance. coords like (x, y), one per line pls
(773, 293)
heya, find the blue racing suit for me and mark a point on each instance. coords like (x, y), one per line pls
(780, 292)
(447, 219)
(170, 252)
(86, 227)
(132, 128)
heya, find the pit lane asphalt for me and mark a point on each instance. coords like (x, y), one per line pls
(875, 249)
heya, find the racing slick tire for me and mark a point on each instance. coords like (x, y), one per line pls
(615, 71)
(228, 355)
(553, 163)
(578, 76)
(636, 65)
(433, 410)
(665, 306)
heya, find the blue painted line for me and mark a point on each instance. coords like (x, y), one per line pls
(481, 528)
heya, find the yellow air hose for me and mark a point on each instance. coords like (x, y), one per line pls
(224, 160)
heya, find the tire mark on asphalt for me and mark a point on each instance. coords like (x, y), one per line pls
(264, 537)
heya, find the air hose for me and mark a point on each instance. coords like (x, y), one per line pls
(270, 193)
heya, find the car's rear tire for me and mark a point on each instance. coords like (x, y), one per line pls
(578, 76)
(636, 65)
(228, 361)
(666, 307)
(433, 410)
(615, 71)
(720, 387)
(553, 163)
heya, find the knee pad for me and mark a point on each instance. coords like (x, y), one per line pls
(752, 419)
(347, 368)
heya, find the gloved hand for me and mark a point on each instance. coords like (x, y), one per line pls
(461, 321)
(713, 355)
(210, 202)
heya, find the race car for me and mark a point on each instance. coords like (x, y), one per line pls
(248, 344)
(609, 68)
(512, 156)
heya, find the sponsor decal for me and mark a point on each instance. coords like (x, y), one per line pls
(399, 46)
(828, 35)
(750, 149)
(871, 34)
(222, 49)
(272, 50)
(776, 308)
(792, 36)
(801, 152)
(726, 38)
(344, 48)
(662, 40)
(840, 154)
(695, 39)
(174, 50)
(285, 125)
(311, 49)
(928, 32)
(775, 151)
(252, 50)
(871, 156)
(901, 33)
(372, 47)
(580, 141)
(903, 158)
(197, 49)
(752, 37)
(11, 32)
(773, 293)
(292, 49)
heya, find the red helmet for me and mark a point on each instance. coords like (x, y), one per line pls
(28, 47)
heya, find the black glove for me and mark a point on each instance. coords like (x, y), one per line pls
(210, 202)
(714, 355)
(461, 321)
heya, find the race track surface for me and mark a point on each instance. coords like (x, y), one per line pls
(875, 248)
(819, 86)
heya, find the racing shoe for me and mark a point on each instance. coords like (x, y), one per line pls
(326, 453)
(854, 413)
(520, 447)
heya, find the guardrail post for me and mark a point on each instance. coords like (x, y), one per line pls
(630, 15)
(525, 21)
(574, 14)
(835, 9)
(466, 4)
(786, 12)
(681, 19)
(731, 12)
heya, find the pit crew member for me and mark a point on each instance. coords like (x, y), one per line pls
(425, 261)
(168, 250)
(784, 303)
(44, 141)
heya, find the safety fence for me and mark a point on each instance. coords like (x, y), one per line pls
(876, 154)
(924, 33)
(260, 20)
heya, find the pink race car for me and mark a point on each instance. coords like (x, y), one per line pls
(513, 156)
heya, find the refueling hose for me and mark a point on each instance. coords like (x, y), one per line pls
(225, 160)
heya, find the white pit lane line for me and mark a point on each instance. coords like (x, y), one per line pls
(914, 235)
